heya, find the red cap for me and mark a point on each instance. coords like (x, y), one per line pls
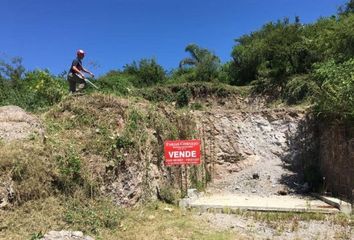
(80, 53)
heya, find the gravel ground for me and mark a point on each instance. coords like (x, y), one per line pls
(288, 229)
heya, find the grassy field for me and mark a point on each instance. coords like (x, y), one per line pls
(102, 220)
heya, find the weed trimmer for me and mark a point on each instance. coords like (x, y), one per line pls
(87, 81)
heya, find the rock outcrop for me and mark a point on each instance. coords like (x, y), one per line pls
(6, 192)
(252, 152)
(66, 235)
(16, 124)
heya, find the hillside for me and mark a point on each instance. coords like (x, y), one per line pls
(101, 150)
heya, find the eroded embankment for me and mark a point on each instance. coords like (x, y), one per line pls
(104, 145)
(96, 145)
(256, 152)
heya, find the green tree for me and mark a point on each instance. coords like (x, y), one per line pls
(147, 72)
(347, 8)
(273, 53)
(204, 63)
(336, 82)
(13, 70)
(116, 82)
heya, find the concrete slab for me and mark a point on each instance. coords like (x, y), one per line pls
(256, 203)
(343, 206)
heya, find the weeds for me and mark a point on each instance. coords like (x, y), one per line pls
(196, 90)
(37, 236)
(92, 215)
(168, 194)
(182, 98)
(28, 166)
(70, 173)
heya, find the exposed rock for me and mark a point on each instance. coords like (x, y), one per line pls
(16, 124)
(242, 146)
(7, 192)
(167, 209)
(337, 158)
(192, 193)
(66, 235)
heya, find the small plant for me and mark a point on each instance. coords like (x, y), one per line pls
(123, 142)
(197, 106)
(71, 176)
(183, 98)
(37, 236)
(196, 182)
(295, 224)
(167, 194)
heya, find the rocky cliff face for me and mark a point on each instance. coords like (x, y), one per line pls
(253, 152)
(249, 152)
(337, 158)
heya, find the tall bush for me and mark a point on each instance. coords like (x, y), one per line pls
(147, 72)
(336, 81)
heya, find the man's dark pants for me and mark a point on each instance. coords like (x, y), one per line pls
(73, 79)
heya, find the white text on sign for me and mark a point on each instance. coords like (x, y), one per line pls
(182, 154)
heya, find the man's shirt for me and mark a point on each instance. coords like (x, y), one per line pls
(77, 63)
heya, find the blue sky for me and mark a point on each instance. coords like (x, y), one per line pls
(47, 33)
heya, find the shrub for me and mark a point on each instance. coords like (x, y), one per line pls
(336, 82)
(116, 82)
(38, 89)
(45, 89)
(167, 194)
(299, 88)
(147, 72)
(183, 97)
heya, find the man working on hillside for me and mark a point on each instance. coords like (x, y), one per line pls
(76, 72)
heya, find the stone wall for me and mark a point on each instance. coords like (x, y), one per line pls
(336, 151)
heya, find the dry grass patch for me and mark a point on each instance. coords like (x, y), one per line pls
(29, 167)
(102, 220)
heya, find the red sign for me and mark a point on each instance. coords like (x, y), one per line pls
(182, 152)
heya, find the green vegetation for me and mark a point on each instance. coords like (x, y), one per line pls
(104, 220)
(336, 81)
(147, 72)
(204, 64)
(294, 62)
(284, 61)
(84, 150)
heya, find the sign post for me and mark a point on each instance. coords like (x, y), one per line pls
(182, 152)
